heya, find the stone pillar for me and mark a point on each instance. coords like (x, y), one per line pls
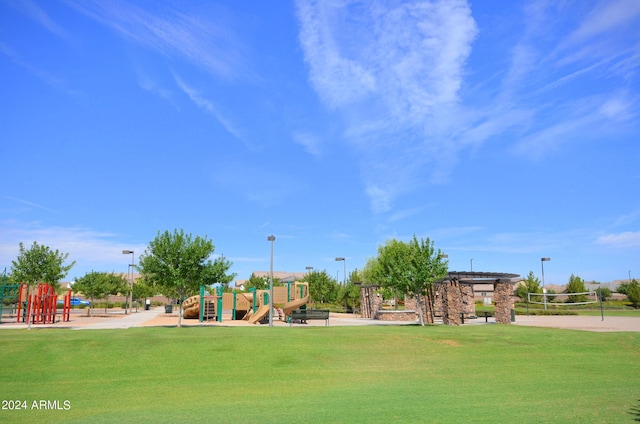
(503, 298)
(410, 303)
(370, 302)
(468, 301)
(451, 302)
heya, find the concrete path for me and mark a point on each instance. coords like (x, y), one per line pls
(128, 321)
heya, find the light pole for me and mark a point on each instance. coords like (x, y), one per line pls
(471, 264)
(308, 268)
(271, 238)
(344, 277)
(544, 290)
(130, 252)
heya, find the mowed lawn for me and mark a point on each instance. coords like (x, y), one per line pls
(490, 373)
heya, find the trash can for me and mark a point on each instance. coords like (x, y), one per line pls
(168, 309)
(147, 304)
(513, 315)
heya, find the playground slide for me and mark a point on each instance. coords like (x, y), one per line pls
(261, 312)
(294, 304)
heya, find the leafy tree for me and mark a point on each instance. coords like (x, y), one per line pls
(622, 288)
(100, 285)
(349, 295)
(604, 293)
(142, 290)
(177, 264)
(410, 268)
(322, 288)
(220, 274)
(633, 293)
(576, 285)
(258, 283)
(39, 264)
(531, 284)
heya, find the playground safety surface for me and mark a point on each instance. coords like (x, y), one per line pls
(158, 318)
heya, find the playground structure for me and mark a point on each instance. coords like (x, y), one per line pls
(41, 306)
(252, 306)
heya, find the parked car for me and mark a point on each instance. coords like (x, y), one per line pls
(75, 302)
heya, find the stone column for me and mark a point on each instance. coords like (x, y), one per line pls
(451, 302)
(503, 297)
(370, 302)
(468, 301)
(410, 303)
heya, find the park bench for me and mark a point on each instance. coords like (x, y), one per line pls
(303, 315)
(467, 315)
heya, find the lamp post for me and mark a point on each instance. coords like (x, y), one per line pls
(130, 252)
(271, 238)
(544, 290)
(308, 268)
(471, 264)
(344, 277)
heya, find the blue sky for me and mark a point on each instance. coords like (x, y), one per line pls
(504, 131)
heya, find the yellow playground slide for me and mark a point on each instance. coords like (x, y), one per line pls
(297, 303)
(259, 314)
(294, 304)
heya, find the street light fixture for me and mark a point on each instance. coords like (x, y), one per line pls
(544, 290)
(344, 277)
(308, 268)
(130, 252)
(271, 238)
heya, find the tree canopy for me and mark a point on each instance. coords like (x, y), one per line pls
(40, 264)
(531, 284)
(322, 288)
(100, 285)
(576, 285)
(178, 264)
(410, 268)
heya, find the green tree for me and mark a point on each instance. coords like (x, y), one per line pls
(258, 283)
(39, 264)
(622, 288)
(604, 293)
(633, 293)
(142, 290)
(100, 285)
(178, 264)
(322, 288)
(576, 285)
(220, 273)
(531, 284)
(410, 268)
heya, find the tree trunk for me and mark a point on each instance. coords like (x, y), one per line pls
(419, 305)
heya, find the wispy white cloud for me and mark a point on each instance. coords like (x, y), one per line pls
(203, 39)
(31, 204)
(38, 14)
(90, 249)
(45, 76)
(310, 142)
(390, 70)
(605, 17)
(621, 240)
(209, 106)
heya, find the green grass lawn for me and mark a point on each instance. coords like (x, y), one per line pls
(491, 373)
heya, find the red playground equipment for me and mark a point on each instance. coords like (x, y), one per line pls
(42, 305)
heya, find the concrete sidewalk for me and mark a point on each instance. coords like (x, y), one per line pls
(128, 321)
